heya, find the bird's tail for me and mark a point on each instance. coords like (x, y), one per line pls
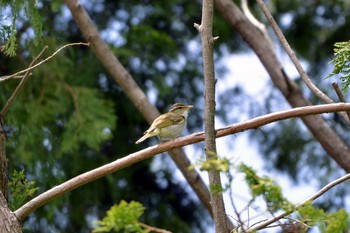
(144, 137)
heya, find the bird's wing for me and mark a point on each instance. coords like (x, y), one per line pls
(168, 119)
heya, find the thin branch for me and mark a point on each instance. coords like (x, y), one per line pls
(328, 138)
(310, 199)
(3, 78)
(238, 214)
(147, 153)
(340, 96)
(216, 196)
(257, 23)
(292, 55)
(21, 84)
(153, 229)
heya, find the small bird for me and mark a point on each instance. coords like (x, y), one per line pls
(168, 125)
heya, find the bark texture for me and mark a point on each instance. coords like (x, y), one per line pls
(3, 161)
(206, 31)
(8, 221)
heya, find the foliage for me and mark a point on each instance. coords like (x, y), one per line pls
(92, 114)
(218, 164)
(334, 222)
(20, 189)
(266, 188)
(341, 63)
(122, 218)
(8, 33)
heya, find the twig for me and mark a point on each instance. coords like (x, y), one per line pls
(21, 84)
(292, 55)
(310, 199)
(340, 96)
(3, 78)
(133, 158)
(154, 229)
(257, 23)
(239, 219)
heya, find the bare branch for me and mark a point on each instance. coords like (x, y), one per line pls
(292, 55)
(340, 96)
(216, 196)
(15, 75)
(21, 84)
(133, 158)
(154, 229)
(331, 142)
(257, 23)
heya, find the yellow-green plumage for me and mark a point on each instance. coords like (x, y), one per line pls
(169, 125)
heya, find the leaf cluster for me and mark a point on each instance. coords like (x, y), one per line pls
(334, 222)
(123, 217)
(266, 188)
(20, 189)
(341, 63)
(8, 32)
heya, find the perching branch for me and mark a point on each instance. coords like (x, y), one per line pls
(216, 195)
(307, 201)
(133, 158)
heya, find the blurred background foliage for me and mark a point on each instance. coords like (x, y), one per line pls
(72, 117)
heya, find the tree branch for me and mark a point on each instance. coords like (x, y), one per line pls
(21, 84)
(307, 201)
(206, 31)
(321, 95)
(15, 75)
(133, 158)
(341, 97)
(8, 221)
(334, 145)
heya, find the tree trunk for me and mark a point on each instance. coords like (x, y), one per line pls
(8, 221)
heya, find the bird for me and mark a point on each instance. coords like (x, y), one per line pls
(168, 125)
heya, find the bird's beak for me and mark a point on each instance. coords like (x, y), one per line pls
(189, 106)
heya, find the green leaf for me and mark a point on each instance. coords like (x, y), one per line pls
(92, 121)
(266, 188)
(20, 189)
(335, 222)
(341, 63)
(122, 218)
(8, 32)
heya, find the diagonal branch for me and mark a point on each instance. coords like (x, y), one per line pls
(321, 95)
(147, 153)
(307, 201)
(341, 97)
(21, 84)
(331, 142)
(15, 75)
